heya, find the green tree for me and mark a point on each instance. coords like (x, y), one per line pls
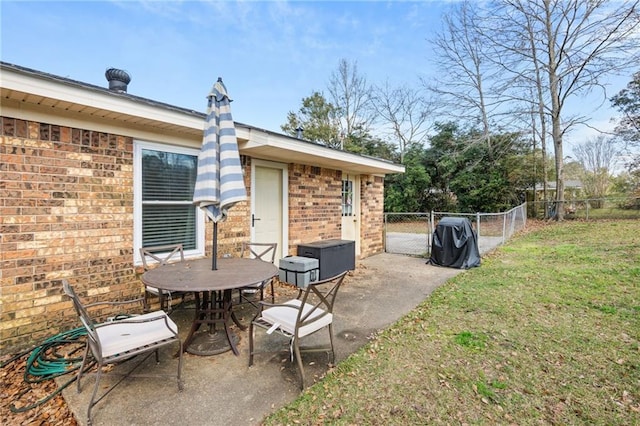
(319, 120)
(364, 143)
(627, 101)
(478, 177)
(573, 170)
(626, 184)
(441, 167)
(407, 192)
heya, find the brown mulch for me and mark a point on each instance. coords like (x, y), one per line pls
(17, 393)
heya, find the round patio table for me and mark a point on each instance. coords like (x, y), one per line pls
(212, 290)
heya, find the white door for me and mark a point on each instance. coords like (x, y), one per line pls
(351, 209)
(269, 206)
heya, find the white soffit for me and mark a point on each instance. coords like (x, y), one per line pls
(65, 95)
(269, 146)
(41, 96)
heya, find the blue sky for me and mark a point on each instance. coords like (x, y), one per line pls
(270, 54)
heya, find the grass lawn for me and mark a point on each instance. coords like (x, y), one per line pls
(608, 213)
(546, 331)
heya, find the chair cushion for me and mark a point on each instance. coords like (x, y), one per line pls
(156, 291)
(286, 317)
(120, 336)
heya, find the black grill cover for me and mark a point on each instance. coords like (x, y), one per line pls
(455, 244)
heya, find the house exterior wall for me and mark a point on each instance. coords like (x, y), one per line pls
(66, 211)
(235, 229)
(372, 215)
(315, 208)
(315, 205)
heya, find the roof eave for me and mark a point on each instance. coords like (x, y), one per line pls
(47, 93)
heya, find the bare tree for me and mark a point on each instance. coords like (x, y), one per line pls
(468, 84)
(563, 49)
(351, 94)
(520, 58)
(404, 113)
(576, 45)
(598, 157)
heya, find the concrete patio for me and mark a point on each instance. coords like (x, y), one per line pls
(223, 390)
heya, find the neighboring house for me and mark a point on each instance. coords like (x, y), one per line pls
(74, 159)
(572, 189)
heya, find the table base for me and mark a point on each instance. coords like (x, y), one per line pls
(212, 292)
(213, 308)
(206, 343)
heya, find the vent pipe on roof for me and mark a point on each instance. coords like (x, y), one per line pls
(118, 79)
(299, 131)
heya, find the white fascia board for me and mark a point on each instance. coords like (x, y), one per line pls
(256, 139)
(68, 92)
(248, 137)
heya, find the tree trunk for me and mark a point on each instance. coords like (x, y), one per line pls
(556, 131)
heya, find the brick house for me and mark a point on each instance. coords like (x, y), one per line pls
(89, 174)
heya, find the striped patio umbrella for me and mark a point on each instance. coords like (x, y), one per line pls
(219, 182)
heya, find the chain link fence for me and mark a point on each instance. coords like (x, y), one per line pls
(411, 233)
(589, 208)
(408, 233)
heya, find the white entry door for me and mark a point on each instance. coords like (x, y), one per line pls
(269, 216)
(351, 209)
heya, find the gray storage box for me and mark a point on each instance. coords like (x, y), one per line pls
(298, 270)
(335, 256)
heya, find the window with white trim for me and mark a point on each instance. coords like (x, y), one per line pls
(164, 212)
(347, 197)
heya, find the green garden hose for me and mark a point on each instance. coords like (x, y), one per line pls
(46, 363)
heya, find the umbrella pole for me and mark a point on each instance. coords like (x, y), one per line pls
(214, 260)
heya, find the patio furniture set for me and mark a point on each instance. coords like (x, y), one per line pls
(119, 340)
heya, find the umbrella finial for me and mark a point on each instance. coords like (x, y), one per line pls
(219, 91)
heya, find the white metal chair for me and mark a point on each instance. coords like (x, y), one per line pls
(119, 340)
(310, 312)
(261, 251)
(161, 255)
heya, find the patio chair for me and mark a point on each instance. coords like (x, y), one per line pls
(161, 255)
(262, 251)
(310, 312)
(119, 340)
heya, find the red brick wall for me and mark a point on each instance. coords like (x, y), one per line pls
(315, 205)
(371, 215)
(66, 211)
